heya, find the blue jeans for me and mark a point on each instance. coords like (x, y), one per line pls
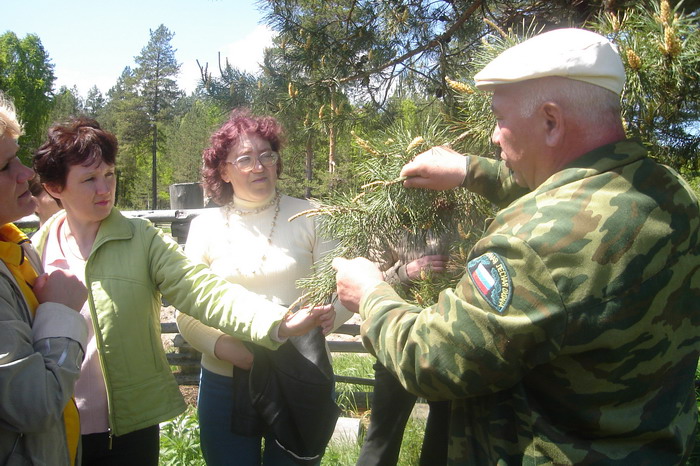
(220, 446)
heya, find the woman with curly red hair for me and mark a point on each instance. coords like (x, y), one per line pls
(248, 241)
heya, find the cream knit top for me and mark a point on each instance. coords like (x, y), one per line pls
(234, 245)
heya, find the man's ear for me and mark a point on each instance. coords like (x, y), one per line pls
(554, 123)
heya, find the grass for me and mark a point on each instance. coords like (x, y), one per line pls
(352, 365)
(346, 453)
(179, 440)
(694, 459)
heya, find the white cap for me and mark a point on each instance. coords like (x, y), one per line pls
(568, 53)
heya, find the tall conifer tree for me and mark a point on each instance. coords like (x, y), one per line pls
(156, 74)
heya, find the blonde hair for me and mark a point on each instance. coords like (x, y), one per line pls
(9, 123)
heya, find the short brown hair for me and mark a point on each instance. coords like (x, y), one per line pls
(79, 142)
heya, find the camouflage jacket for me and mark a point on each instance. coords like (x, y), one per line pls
(573, 336)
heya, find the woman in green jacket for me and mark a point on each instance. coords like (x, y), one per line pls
(126, 387)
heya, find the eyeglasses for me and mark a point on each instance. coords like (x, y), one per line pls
(246, 163)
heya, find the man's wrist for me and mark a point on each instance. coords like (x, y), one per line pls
(365, 296)
(466, 171)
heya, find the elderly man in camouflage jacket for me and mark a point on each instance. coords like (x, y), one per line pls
(573, 336)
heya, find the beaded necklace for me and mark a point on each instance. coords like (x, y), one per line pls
(229, 210)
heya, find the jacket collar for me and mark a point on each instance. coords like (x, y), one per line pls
(603, 159)
(114, 227)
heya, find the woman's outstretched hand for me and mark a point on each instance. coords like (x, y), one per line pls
(307, 319)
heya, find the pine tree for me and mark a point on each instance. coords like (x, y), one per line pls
(66, 103)
(156, 74)
(124, 116)
(94, 102)
(187, 136)
(660, 47)
(378, 206)
(660, 105)
(232, 88)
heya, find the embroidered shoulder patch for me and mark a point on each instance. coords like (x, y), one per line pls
(490, 276)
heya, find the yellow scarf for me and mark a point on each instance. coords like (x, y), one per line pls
(12, 254)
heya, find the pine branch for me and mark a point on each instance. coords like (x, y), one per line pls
(442, 38)
(381, 209)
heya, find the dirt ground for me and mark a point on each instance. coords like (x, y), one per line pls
(189, 393)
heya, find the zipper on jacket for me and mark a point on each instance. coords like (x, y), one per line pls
(100, 357)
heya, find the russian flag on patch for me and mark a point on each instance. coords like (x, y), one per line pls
(483, 279)
(490, 275)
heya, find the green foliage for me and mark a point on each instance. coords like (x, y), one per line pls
(141, 105)
(363, 46)
(185, 139)
(123, 116)
(94, 103)
(179, 440)
(319, 46)
(233, 88)
(376, 205)
(693, 179)
(155, 76)
(26, 76)
(341, 454)
(66, 104)
(352, 365)
(661, 101)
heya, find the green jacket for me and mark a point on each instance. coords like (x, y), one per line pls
(572, 338)
(131, 264)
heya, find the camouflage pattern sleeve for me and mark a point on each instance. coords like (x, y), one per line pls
(493, 180)
(450, 350)
(572, 337)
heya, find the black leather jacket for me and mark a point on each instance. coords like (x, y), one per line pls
(289, 393)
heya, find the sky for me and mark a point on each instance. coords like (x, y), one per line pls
(90, 42)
